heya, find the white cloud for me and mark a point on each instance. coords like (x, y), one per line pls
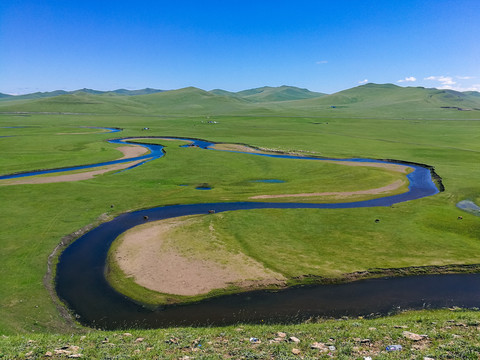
(475, 87)
(444, 80)
(447, 83)
(408, 79)
(321, 62)
(363, 82)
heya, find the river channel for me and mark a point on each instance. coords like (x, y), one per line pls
(81, 284)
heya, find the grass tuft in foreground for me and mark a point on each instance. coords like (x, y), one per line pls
(439, 334)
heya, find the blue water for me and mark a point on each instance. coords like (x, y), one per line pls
(469, 206)
(269, 181)
(203, 188)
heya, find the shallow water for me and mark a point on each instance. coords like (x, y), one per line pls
(469, 206)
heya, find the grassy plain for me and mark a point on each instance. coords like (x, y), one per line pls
(35, 217)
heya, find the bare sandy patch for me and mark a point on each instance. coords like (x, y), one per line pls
(404, 169)
(146, 254)
(132, 151)
(68, 177)
(341, 194)
(241, 148)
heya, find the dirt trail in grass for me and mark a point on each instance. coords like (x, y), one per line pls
(128, 152)
(147, 256)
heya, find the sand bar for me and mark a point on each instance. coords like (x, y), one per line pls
(145, 255)
(68, 177)
(393, 186)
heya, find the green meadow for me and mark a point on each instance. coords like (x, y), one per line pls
(409, 124)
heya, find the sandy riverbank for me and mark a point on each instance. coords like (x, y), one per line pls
(146, 255)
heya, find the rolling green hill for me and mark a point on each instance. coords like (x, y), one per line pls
(270, 94)
(370, 100)
(40, 95)
(78, 102)
(385, 95)
(388, 100)
(183, 101)
(35, 95)
(282, 93)
(388, 94)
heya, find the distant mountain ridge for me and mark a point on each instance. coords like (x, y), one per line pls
(389, 95)
(377, 100)
(263, 94)
(268, 93)
(39, 95)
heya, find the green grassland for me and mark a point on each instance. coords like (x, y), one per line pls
(423, 232)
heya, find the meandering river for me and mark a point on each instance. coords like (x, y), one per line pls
(81, 284)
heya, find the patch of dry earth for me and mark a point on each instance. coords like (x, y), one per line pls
(146, 255)
(341, 194)
(68, 177)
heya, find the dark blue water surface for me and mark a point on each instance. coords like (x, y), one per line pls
(81, 284)
(269, 181)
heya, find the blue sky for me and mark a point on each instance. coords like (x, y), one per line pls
(321, 45)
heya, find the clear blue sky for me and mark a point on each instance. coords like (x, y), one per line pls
(321, 45)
